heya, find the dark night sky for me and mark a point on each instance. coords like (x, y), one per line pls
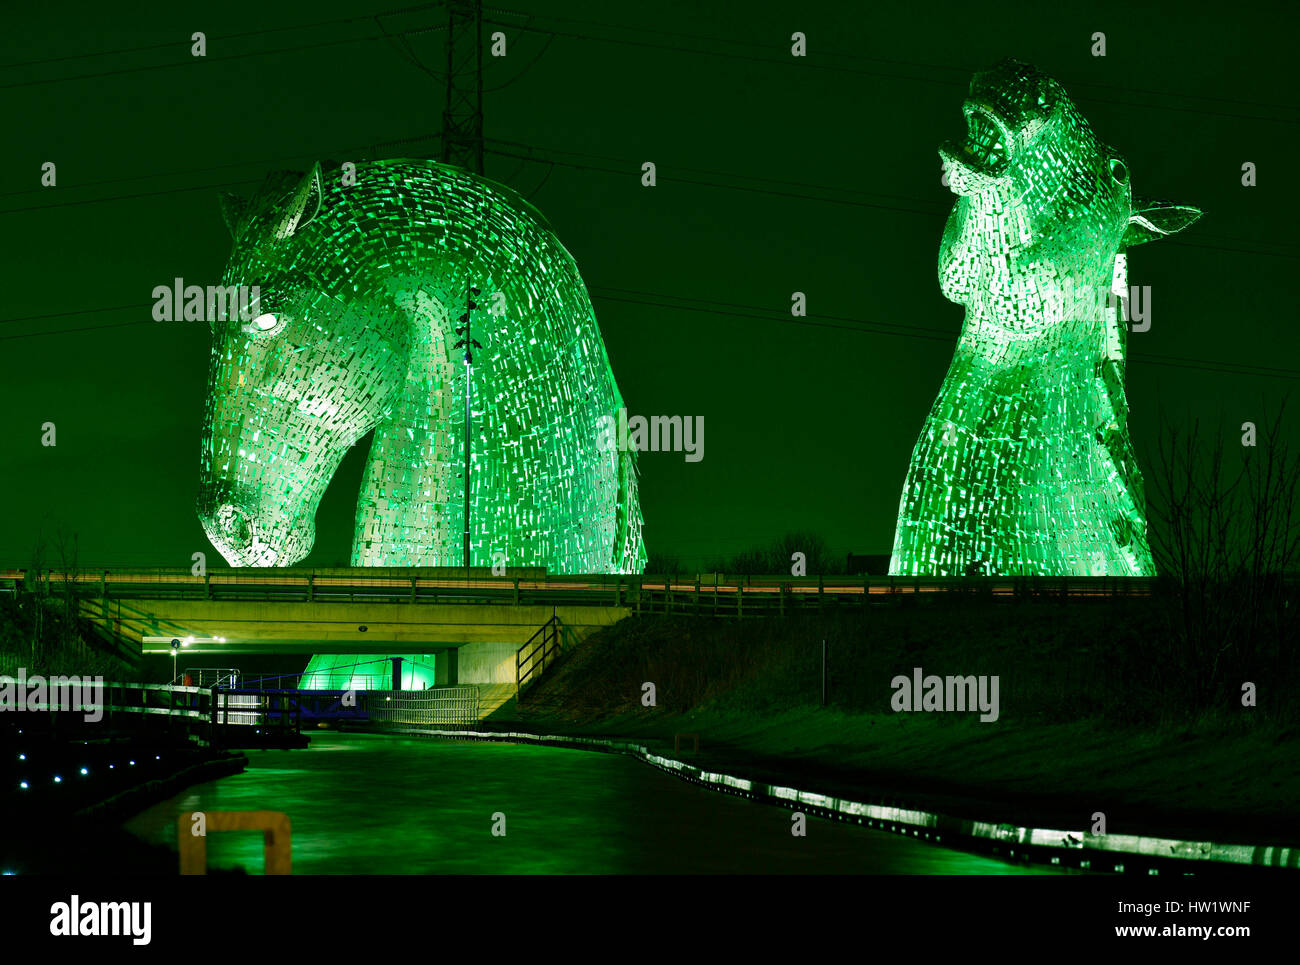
(807, 427)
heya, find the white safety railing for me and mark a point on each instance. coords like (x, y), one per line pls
(227, 712)
(440, 706)
(208, 677)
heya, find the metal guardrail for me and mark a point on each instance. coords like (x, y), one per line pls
(248, 710)
(228, 715)
(217, 708)
(301, 680)
(440, 706)
(166, 699)
(282, 708)
(532, 658)
(769, 596)
(208, 677)
(742, 595)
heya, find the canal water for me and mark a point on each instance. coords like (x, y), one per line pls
(374, 804)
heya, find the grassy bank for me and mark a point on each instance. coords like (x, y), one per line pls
(1096, 714)
(37, 635)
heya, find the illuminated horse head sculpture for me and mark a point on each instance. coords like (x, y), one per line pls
(362, 280)
(1024, 465)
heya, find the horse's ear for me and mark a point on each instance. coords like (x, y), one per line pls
(233, 208)
(1152, 220)
(303, 204)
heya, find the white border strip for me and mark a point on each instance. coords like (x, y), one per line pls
(1111, 848)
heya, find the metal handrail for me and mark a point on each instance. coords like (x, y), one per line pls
(539, 655)
(438, 706)
(427, 584)
(209, 676)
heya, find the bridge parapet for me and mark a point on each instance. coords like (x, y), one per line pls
(425, 585)
(365, 610)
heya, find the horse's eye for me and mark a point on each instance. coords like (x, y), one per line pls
(265, 323)
(1118, 170)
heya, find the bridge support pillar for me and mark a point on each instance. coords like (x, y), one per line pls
(446, 669)
(397, 673)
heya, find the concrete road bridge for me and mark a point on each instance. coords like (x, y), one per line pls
(475, 621)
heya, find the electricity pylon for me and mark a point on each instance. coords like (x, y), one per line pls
(462, 120)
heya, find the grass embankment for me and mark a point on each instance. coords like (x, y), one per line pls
(37, 636)
(1097, 713)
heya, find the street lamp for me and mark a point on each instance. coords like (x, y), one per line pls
(467, 343)
(176, 649)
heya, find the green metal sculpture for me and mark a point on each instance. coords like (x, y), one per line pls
(362, 276)
(1024, 465)
(361, 285)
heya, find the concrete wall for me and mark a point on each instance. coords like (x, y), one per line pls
(486, 663)
(335, 627)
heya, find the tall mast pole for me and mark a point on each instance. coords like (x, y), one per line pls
(467, 342)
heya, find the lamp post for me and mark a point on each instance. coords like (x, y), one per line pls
(467, 342)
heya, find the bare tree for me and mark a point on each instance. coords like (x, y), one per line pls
(817, 558)
(777, 557)
(663, 564)
(37, 588)
(1226, 538)
(71, 573)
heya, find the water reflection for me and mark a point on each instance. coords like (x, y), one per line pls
(369, 804)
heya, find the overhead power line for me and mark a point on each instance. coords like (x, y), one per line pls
(339, 153)
(713, 50)
(966, 70)
(69, 331)
(342, 153)
(191, 61)
(805, 63)
(182, 43)
(661, 300)
(941, 205)
(869, 327)
(664, 175)
(827, 194)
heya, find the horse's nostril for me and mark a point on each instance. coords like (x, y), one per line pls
(235, 525)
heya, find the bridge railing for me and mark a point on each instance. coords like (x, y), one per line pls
(208, 677)
(170, 700)
(532, 659)
(217, 708)
(696, 593)
(326, 680)
(770, 596)
(206, 712)
(160, 699)
(435, 707)
(271, 712)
